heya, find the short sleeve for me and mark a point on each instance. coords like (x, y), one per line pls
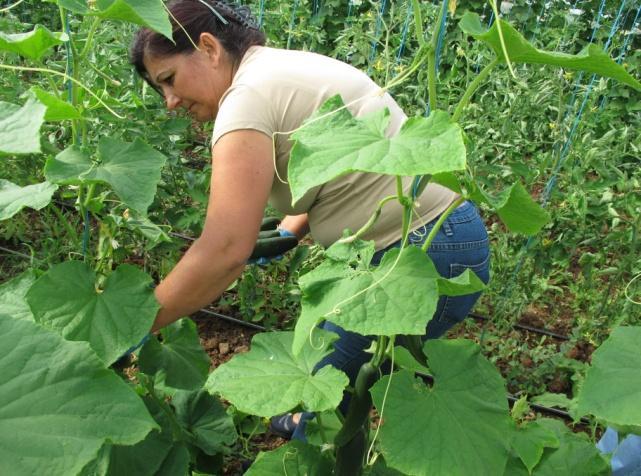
(243, 107)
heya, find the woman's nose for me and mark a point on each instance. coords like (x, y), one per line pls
(172, 101)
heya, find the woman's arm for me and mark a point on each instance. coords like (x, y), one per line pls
(296, 224)
(241, 180)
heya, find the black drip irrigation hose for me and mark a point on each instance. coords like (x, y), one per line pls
(524, 327)
(233, 320)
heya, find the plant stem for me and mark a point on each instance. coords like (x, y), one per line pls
(3, 10)
(381, 347)
(70, 71)
(417, 63)
(471, 89)
(66, 77)
(439, 223)
(365, 228)
(418, 23)
(90, 193)
(431, 58)
(399, 188)
(89, 40)
(175, 426)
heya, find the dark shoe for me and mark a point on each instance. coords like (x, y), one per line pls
(283, 425)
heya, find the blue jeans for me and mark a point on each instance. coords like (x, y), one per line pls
(461, 243)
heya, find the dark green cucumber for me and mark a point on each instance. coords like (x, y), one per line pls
(269, 223)
(415, 346)
(268, 234)
(359, 405)
(275, 246)
(350, 458)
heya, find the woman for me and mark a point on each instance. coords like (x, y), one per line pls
(219, 69)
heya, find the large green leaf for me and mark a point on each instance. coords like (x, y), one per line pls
(149, 13)
(330, 145)
(14, 198)
(592, 59)
(132, 170)
(58, 404)
(396, 297)
(516, 208)
(270, 380)
(57, 109)
(180, 358)
(20, 127)
(529, 442)
(68, 167)
(12, 296)
(158, 453)
(460, 426)
(33, 44)
(204, 418)
(575, 455)
(111, 319)
(293, 459)
(465, 283)
(612, 387)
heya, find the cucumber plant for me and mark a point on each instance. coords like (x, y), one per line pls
(62, 329)
(461, 423)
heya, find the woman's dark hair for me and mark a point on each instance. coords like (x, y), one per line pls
(193, 17)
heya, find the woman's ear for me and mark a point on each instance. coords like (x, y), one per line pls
(211, 46)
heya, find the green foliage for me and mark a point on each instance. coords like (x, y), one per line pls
(467, 388)
(14, 198)
(131, 169)
(111, 317)
(574, 455)
(270, 379)
(32, 45)
(13, 296)
(519, 50)
(294, 458)
(149, 13)
(381, 300)
(516, 209)
(20, 127)
(332, 143)
(62, 387)
(57, 109)
(529, 442)
(613, 383)
(179, 361)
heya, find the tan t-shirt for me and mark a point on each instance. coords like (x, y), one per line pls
(275, 91)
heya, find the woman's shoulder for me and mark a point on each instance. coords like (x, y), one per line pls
(262, 63)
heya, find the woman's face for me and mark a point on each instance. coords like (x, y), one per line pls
(194, 81)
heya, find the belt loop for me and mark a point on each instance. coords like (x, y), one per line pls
(447, 228)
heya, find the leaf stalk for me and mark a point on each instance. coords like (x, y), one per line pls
(471, 89)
